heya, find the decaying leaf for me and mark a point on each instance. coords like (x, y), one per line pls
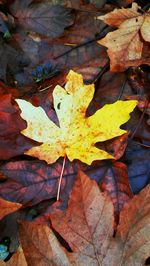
(30, 182)
(77, 133)
(116, 183)
(87, 226)
(126, 45)
(7, 207)
(88, 229)
(43, 18)
(10, 126)
(40, 246)
(132, 243)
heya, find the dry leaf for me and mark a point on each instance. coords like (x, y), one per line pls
(125, 45)
(43, 18)
(7, 207)
(116, 183)
(77, 133)
(132, 243)
(87, 226)
(40, 246)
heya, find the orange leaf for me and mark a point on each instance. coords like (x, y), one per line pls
(87, 226)
(7, 207)
(125, 45)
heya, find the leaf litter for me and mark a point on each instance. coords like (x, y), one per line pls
(40, 42)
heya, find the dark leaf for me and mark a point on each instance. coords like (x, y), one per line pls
(34, 181)
(137, 159)
(12, 60)
(116, 183)
(37, 242)
(43, 18)
(12, 143)
(7, 207)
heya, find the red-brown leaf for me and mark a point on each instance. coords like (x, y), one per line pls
(12, 143)
(7, 207)
(43, 18)
(87, 224)
(34, 181)
(116, 183)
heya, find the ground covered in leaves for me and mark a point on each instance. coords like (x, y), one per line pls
(52, 121)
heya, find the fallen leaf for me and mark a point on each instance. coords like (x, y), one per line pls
(11, 122)
(132, 243)
(30, 182)
(69, 56)
(10, 125)
(40, 246)
(87, 226)
(116, 146)
(7, 207)
(116, 183)
(137, 158)
(43, 18)
(9, 229)
(77, 134)
(12, 59)
(126, 45)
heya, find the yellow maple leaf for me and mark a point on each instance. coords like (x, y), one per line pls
(126, 44)
(77, 134)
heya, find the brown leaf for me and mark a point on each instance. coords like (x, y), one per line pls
(116, 146)
(40, 246)
(12, 60)
(7, 207)
(12, 143)
(30, 182)
(132, 244)
(116, 183)
(87, 224)
(125, 45)
(43, 18)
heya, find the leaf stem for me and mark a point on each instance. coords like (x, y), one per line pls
(60, 178)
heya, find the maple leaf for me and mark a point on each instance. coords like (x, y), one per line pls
(87, 227)
(125, 45)
(43, 18)
(77, 133)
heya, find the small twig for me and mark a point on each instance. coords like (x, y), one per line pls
(44, 88)
(139, 143)
(104, 69)
(122, 89)
(98, 36)
(60, 178)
